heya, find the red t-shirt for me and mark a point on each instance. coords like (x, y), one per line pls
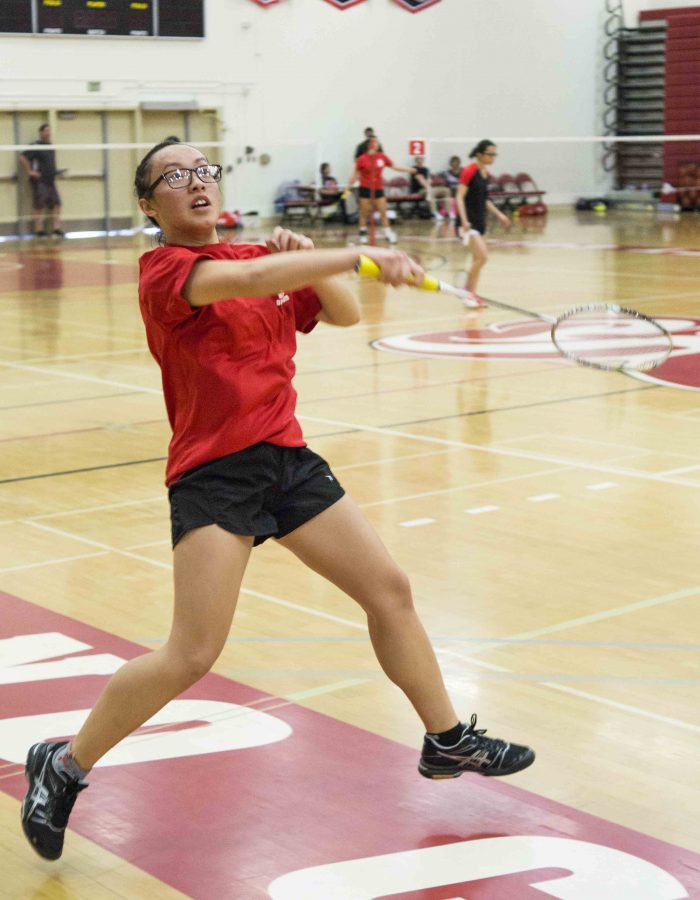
(227, 367)
(370, 167)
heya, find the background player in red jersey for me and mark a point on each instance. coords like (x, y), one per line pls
(369, 169)
(221, 321)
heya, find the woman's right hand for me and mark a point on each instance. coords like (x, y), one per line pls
(396, 267)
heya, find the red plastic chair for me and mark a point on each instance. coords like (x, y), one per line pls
(526, 184)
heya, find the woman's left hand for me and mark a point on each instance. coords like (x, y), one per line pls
(505, 221)
(283, 240)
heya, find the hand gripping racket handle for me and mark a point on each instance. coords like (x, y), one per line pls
(368, 268)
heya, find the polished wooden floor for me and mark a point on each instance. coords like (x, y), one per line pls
(548, 515)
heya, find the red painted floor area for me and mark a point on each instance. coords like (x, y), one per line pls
(50, 271)
(326, 796)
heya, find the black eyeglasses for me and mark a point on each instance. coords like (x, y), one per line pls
(182, 178)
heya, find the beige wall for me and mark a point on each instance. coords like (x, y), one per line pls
(95, 182)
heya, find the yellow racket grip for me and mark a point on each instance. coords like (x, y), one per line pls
(367, 268)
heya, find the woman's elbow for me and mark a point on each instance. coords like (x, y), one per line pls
(347, 318)
(340, 318)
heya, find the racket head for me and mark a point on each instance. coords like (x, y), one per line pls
(612, 338)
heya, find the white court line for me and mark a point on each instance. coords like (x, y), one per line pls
(479, 510)
(609, 614)
(465, 487)
(21, 386)
(543, 498)
(77, 511)
(74, 376)
(392, 432)
(601, 486)
(326, 689)
(498, 451)
(77, 330)
(168, 566)
(97, 354)
(625, 707)
(51, 562)
(644, 604)
(682, 469)
(390, 459)
(415, 523)
(162, 498)
(549, 436)
(91, 543)
(164, 543)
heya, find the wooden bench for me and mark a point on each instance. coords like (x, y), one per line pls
(397, 194)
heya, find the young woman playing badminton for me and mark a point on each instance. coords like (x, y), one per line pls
(472, 205)
(369, 169)
(221, 321)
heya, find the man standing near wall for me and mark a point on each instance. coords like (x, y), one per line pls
(363, 146)
(40, 166)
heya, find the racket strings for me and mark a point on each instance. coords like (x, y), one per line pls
(612, 338)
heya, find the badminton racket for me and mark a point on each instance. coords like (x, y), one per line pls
(602, 336)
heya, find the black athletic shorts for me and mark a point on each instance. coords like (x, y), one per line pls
(44, 196)
(367, 193)
(264, 490)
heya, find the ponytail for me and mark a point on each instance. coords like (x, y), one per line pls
(481, 147)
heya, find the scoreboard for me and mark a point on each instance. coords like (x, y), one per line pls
(135, 18)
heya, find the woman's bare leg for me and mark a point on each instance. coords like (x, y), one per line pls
(380, 204)
(365, 205)
(480, 255)
(341, 545)
(208, 569)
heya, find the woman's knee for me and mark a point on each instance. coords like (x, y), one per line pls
(191, 661)
(391, 592)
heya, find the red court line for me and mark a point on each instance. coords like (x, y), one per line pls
(227, 824)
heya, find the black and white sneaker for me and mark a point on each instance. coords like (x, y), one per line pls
(473, 753)
(49, 800)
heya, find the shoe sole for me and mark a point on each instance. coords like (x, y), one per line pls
(436, 774)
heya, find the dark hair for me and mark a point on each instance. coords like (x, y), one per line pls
(481, 147)
(323, 166)
(142, 178)
(45, 125)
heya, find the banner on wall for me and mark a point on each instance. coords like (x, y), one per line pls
(410, 5)
(344, 4)
(416, 5)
